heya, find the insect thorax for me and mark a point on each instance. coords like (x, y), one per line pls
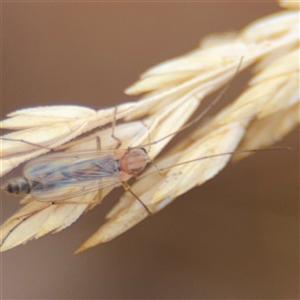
(134, 161)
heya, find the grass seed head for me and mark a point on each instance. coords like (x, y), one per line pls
(264, 113)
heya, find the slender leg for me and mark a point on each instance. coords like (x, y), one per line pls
(26, 142)
(74, 143)
(62, 147)
(21, 219)
(119, 142)
(128, 188)
(155, 166)
(64, 202)
(149, 139)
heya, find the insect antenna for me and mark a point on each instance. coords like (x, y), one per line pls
(198, 118)
(204, 112)
(226, 153)
(215, 155)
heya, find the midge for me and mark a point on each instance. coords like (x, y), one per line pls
(59, 177)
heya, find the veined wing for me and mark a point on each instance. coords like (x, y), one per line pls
(60, 191)
(64, 165)
(61, 176)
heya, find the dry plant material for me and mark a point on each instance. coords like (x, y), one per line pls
(260, 116)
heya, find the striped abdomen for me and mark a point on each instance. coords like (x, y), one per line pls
(17, 186)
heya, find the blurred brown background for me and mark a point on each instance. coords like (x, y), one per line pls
(235, 237)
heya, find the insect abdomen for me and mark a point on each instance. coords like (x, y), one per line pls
(17, 186)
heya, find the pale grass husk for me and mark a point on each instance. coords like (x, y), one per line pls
(260, 116)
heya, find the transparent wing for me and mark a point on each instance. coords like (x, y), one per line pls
(61, 176)
(40, 168)
(63, 191)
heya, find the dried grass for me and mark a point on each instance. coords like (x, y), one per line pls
(173, 90)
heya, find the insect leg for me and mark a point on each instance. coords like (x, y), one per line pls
(74, 143)
(127, 187)
(149, 145)
(119, 142)
(26, 142)
(21, 220)
(65, 202)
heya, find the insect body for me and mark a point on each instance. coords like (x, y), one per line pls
(62, 176)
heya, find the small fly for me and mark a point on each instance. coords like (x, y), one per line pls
(61, 176)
